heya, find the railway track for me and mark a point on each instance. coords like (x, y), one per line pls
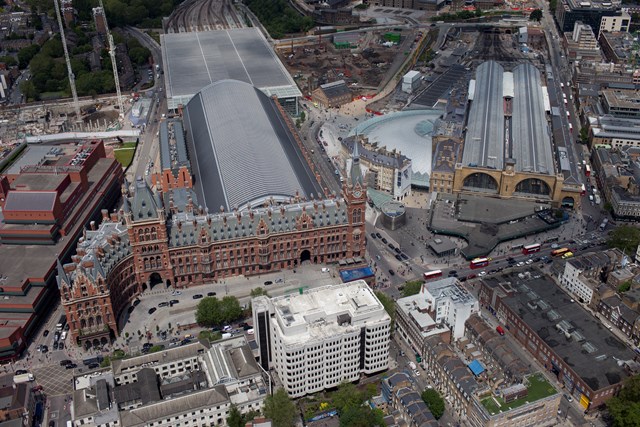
(203, 15)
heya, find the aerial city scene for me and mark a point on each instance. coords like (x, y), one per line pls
(279, 213)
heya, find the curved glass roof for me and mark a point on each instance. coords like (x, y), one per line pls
(241, 149)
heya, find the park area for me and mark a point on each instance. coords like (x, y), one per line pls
(124, 155)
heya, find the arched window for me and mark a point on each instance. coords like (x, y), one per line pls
(91, 322)
(356, 216)
(83, 323)
(153, 233)
(98, 320)
(146, 263)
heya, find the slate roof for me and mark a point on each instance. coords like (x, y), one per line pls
(144, 204)
(42, 201)
(144, 415)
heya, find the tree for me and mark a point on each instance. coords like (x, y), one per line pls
(624, 409)
(212, 311)
(435, 403)
(536, 15)
(29, 91)
(280, 409)
(347, 396)
(235, 418)
(388, 304)
(584, 134)
(156, 348)
(106, 362)
(210, 336)
(26, 54)
(624, 287)
(256, 292)
(412, 288)
(624, 237)
(361, 416)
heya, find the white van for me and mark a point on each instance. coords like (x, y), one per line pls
(63, 336)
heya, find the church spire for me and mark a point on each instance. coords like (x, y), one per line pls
(356, 172)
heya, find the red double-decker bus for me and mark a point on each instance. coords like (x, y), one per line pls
(583, 191)
(432, 274)
(529, 249)
(587, 170)
(479, 263)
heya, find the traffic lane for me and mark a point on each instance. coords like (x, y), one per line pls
(464, 270)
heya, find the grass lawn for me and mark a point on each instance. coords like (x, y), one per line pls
(129, 145)
(124, 155)
(538, 388)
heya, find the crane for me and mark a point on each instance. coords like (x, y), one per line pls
(112, 54)
(72, 77)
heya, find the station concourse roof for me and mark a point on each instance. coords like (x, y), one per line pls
(192, 61)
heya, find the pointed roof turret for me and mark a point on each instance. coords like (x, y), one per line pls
(356, 172)
(143, 203)
(62, 275)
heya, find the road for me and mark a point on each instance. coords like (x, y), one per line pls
(148, 146)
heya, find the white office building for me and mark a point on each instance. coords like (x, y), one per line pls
(322, 337)
(440, 303)
(581, 275)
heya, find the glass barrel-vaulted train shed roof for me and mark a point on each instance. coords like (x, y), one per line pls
(242, 152)
(192, 61)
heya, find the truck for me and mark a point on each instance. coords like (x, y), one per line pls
(23, 378)
(226, 335)
(603, 224)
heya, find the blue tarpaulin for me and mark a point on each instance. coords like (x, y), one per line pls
(356, 273)
(476, 367)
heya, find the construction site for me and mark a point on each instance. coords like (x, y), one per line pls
(362, 59)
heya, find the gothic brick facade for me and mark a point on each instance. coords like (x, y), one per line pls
(146, 244)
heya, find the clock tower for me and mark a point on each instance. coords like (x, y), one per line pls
(355, 195)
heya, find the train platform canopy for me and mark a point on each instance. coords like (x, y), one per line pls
(192, 61)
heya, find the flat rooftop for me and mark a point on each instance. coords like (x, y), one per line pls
(195, 60)
(315, 313)
(574, 335)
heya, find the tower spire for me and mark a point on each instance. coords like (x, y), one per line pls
(356, 172)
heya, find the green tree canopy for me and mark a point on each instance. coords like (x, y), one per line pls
(256, 292)
(433, 400)
(211, 311)
(280, 409)
(412, 288)
(361, 416)
(25, 54)
(388, 304)
(624, 409)
(536, 15)
(235, 417)
(625, 237)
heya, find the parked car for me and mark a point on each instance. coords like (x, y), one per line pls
(404, 256)
(45, 333)
(211, 294)
(71, 366)
(163, 304)
(65, 362)
(94, 366)
(136, 302)
(379, 236)
(268, 283)
(384, 240)
(152, 310)
(392, 273)
(373, 235)
(55, 345)
(398, 257)
(197, 296)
